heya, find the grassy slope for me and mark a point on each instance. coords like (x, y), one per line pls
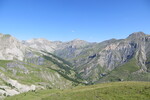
(126, 73)
(37, 74)
(105, 91)
(54, 72)
(64, 69)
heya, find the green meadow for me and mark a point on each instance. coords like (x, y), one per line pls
(103, 91)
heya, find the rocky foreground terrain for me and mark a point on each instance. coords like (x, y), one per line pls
(43, 64)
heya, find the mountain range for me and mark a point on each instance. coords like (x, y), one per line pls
(40, 64)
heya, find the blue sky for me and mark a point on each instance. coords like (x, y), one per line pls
(90, 20)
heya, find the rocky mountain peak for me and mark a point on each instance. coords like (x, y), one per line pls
(42, 44)
(136, 35)
(10, 48)
(39, 40)
(5, 35)
(77, 43)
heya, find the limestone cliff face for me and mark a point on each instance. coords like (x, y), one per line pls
(65, 50)
(42, 44)
(14, 87)
(51, 46)
(118, 53)
(10, 48)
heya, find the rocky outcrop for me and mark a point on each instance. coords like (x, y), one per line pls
(116, 54)
(42, 44)
(10, 48)
(13, 87)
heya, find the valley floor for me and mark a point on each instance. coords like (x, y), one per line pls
(105, 91)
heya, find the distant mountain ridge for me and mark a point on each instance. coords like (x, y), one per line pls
(40, 63)
(95, 60)
(24, 69)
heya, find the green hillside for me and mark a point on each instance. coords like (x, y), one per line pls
(126, 72)
(44, 70)
(105, 91)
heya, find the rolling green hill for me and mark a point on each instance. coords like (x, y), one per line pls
(105, 91)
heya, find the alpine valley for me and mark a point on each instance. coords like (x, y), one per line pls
(38, 64)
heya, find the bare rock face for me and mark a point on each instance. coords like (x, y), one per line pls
(14, 87)
(50, 46)
(42, 44)
(65, 50)
(10, 48)
(116, 54)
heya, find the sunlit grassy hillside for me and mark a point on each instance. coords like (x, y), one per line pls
(105, 91)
